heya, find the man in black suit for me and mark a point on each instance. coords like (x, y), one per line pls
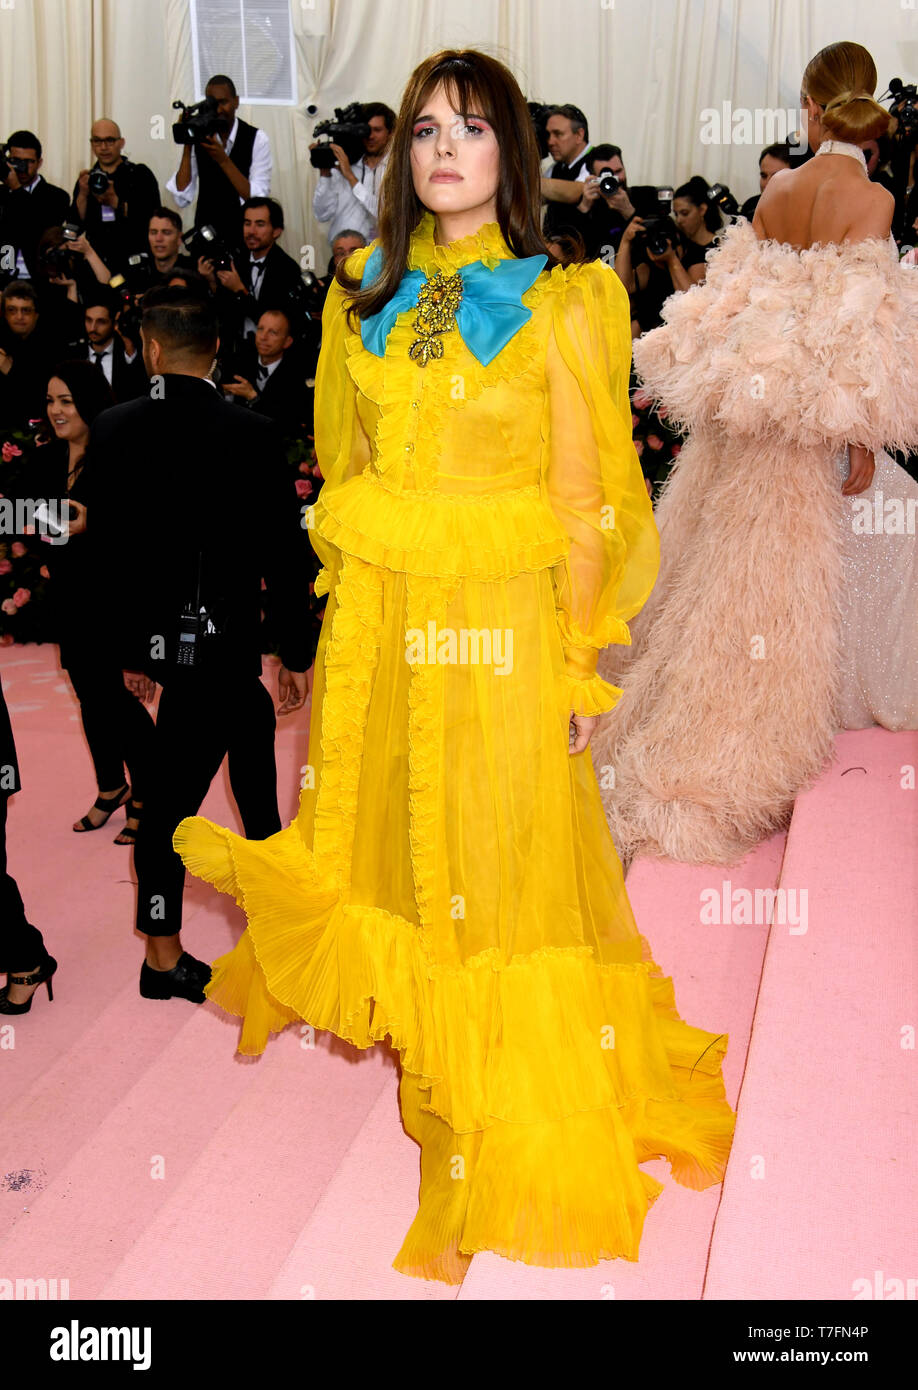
(28, 351)
(225, 168)
(115, 217)
(567, 134)
(180, 478)
(121, 365)
(265, 275)
(270, 375)
(28, 206)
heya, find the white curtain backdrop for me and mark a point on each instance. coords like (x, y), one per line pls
(642, 71)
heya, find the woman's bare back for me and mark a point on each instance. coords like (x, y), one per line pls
(829, 199)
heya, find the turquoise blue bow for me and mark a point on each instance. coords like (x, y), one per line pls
(489, 312)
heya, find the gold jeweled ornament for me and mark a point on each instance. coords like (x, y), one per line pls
(438, 301)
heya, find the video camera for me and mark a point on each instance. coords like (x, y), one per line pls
(540, 111)
(204, 241)
(129, 309)
(197, 123)
(348, 129)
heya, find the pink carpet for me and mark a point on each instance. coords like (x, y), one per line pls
(140, 1158)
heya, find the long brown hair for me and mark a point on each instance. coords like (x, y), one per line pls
(473, 81)
(842, 80)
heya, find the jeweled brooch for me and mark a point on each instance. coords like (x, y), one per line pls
(438, 301)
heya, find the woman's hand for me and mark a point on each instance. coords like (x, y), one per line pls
(634, 226)
(861, 464)
(77, 523)
(584, 724)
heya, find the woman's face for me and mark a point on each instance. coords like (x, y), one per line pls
(66, 422)
(443, 142)
(688, 217)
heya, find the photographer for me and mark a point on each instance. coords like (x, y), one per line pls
(348, 196)
(118, 358)
(608, 204)
(28, 204)
(224, 168)
(265, 276)
(114, 199)
(201, 472)
(269, 375)
(567, 136)
(27, 351)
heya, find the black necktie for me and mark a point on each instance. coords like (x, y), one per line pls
(257, 272)
(98, 356)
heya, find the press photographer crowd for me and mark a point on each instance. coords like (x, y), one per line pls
(232, 326)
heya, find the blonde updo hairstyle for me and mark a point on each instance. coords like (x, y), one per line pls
(842, 80)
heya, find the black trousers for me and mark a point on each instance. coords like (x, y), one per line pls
(21, 944)
(119, 729)
(200, 721)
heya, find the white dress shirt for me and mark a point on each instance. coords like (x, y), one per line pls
(259, 173)
(107, 358)
(341, 206)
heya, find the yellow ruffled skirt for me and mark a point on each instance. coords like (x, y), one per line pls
(450, 881)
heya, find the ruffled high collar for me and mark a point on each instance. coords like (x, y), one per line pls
(486, 245)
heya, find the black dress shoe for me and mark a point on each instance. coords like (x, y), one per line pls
(186, 980)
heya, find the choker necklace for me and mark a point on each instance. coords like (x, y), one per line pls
(842, 147)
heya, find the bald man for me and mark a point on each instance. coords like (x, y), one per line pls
(115, 218)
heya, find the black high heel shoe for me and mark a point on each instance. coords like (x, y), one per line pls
(128, 836)
(41, 976)
(108, 804)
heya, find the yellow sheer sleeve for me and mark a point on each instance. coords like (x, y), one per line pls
(341, 443)
(342, 446)
(593, 480)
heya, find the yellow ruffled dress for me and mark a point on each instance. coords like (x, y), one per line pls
(450, 880)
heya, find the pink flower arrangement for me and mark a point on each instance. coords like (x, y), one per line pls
(641, 399)
(639, 447)
(7, 639)
(44, 572)
(8, 606)
(5, 566)
(654, 442)
(675, 449)
(10, 451)
(17, 550)
(303, 487)
(21, 597)
(635, 421)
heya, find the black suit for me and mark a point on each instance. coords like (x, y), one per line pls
(25, 216)
(284, 397)
(129, 379)
(564, 217)
(24, 388)
(280, 275)
(193, 497)
(21, 946)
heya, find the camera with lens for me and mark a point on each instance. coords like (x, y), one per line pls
(306, 298)
(204, 241)
(197, 123)
(20, 167)
(348, 129)
(609, 183)
(60, 259)
(905, 109)
(99, 181)
(129, 308)
(720, 195)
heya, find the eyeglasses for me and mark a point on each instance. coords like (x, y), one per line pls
(104, 139)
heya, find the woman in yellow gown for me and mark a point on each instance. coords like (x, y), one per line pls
(450, 881)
